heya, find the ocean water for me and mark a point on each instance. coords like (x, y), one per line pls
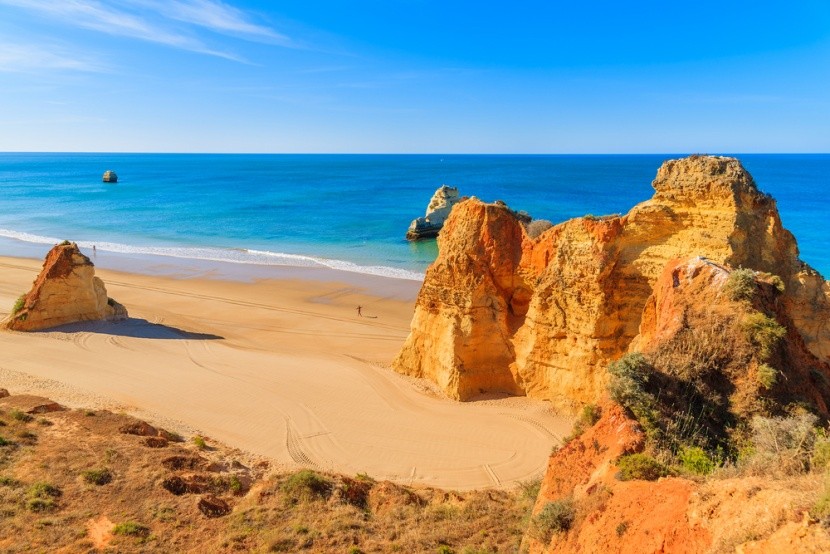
(346, 212)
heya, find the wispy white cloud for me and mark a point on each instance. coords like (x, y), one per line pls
(29, 57)
(217, 17)
(173, 23)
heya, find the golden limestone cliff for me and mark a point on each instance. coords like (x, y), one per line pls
(502, 312)
(65, 291)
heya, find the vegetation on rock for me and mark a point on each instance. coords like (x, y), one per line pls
(537, 227)
(555, 517)
(641, 466)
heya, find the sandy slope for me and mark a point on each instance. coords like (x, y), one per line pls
(283, 369)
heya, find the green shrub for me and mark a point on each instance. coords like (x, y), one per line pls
(97, 476)
(43, 490)
(740, 285)
(763, 332)
(4, 442)
(306, 485)
(41, 497)
(40, 504)
(131, 528)
(778, 283)
(821, 509)
(444, 549)
(554, 518)
(640, 466)
(622, 528)
(587, 418)
(530, 489)
(199, 441)
(629, 376)
(235, 485)
(19, 304)
(20, 416)
(9, 482)
(820, 460)
(695, 460)
(767, 376)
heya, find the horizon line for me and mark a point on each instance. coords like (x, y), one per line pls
(689, 153)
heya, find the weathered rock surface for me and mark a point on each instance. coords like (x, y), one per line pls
(501, 312)
(65, 291)
(439, 208)
(110, 176)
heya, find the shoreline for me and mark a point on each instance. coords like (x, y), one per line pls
(281, 368)
(228, 263)
(192, 268)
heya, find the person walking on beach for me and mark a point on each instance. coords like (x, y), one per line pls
(359, 314)
(94, 251)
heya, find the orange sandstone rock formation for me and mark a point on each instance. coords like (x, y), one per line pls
(501, 312)
(65, 291)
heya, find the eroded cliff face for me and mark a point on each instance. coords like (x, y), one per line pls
(65, 291)
(501, 312)
(673, 514)
(703, 356)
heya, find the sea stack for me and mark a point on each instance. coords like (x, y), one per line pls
(501, 312)
(438, 210)
(110, 176)
(65, 291)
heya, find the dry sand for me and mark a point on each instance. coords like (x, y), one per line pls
(283, 369)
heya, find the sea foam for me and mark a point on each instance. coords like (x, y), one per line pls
(226, 255)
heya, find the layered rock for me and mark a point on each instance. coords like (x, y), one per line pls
(65, 291)
(501, 312)
(438, 209)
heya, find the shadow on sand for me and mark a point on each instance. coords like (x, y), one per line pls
(135, 328)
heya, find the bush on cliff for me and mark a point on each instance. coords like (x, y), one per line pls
(740, 285)
(763, 332)
(629, 377)
(767, 376)
(19, 304)
(589, 415)
(555, 517)
(538, 226)
(641, 466)
(306, 485)
(696, 461)
(782, 445)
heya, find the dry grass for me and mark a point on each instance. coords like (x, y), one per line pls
(50, 489)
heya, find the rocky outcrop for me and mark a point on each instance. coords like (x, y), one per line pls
(110, 176)
(65, 291)
(501, 312)
(438, 210)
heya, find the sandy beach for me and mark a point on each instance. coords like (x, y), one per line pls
(279, 368)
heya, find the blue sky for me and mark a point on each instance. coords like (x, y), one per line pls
(414, 76)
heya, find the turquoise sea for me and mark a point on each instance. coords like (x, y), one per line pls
(346, 212)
